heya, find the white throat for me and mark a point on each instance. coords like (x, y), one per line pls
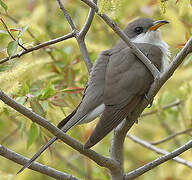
(154, 37)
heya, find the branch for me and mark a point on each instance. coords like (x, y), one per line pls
(176, 103)
(167, 128)
(67, 16)
(80, 40)
(88, 22)
(39, 46)
(30, 33)
(99, 159)
(158, 150)
(17, 158)
(157, 162)
(171, 137)
(7, 29)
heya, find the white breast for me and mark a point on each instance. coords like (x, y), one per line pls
(154, 37)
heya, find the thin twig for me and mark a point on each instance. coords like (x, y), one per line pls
(30, 33)
(157, 150)
(171, 136)
(17, 158)
(147, 167)
(176, 103)
(67, 16)
(7, 29)
(88, 22)
(39, 46)
(80, 40)
(167, 128)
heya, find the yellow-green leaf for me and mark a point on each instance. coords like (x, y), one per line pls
(37, 108)
(12, 48)
(32, 135)
(3, 5)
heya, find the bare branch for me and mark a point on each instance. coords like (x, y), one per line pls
(171, 136)
(80, 40)
(176, 103)
(99, 159)
(157, 150)
(17, 158)
(7, 29)
(88, 22)
(141, 170)
(67, 16)
(39, 46)
(167, 128)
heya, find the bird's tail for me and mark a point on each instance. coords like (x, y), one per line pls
(49, 143)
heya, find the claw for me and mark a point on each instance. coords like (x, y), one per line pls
(149, 101)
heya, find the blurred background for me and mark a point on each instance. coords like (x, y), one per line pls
(51, 81)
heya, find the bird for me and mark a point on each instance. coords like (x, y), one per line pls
(117, 83)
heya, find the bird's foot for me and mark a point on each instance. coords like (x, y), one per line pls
(136, 121)
(149, 101)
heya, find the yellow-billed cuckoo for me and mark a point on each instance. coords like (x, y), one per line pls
(118, 82)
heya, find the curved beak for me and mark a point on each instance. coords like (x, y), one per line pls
(157, 24)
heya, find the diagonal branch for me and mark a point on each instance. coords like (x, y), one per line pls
(17, 158)
(176, 103)
(88, 22)
(67, 15)
(39, 46)
(171, 136)
(141, 170)
(99, 159)
(157, 150)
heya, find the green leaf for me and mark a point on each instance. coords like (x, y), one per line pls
(4, 68)
(6, 111)
(32, 135)
(24, 89)
(12, 48)
(21, 100)
(3, 5)
(23, 30)
(36, 107)
(22, 127)
(48, 92)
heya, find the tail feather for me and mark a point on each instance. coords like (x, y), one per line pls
(49, 143)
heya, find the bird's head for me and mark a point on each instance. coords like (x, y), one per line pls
(144, 30)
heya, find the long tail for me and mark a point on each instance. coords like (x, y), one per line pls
(49, 143)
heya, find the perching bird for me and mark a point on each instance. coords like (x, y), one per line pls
(118, 82)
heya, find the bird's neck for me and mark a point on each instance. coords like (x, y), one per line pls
(154, 37)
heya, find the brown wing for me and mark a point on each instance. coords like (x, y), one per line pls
(93, 95)
(127, 80)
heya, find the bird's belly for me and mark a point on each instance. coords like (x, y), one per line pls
(93, 114)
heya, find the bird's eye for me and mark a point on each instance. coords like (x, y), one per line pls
(138, 30)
